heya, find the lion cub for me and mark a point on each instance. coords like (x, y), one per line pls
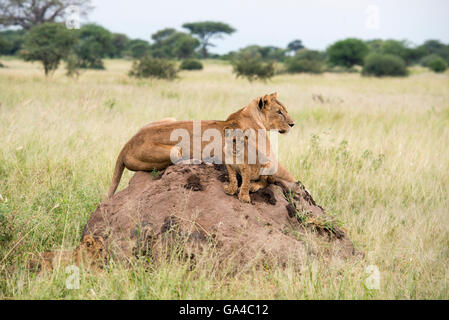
(91, 253)
(252, 180)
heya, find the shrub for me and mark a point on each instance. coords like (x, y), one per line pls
(191, 64)
(434, 47)
(394, 47)
(380, 65)
(347, 53)
(252, 66)
(309, 61)
(149, 67)
(434, 62)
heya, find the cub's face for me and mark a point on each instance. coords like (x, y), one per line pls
(275, 113)
(93, 248)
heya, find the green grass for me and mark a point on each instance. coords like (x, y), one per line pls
(373, 153)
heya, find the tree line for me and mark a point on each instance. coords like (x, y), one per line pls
(374, 57)
(43, 37)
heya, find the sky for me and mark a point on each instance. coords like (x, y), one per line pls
(318, 23)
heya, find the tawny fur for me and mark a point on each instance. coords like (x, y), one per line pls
(90, 253)
(252, 180)
(149, 149)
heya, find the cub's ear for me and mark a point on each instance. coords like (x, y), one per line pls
(88, 240)
(274, 95)
(264, 102)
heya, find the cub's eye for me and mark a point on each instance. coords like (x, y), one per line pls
(280, 112)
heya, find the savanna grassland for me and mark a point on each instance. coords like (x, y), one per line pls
(373, 152)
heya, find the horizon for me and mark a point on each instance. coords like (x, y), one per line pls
(325, 20)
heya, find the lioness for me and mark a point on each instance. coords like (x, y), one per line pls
(151, 147)
(91, 253)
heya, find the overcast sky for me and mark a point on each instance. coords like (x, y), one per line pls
(317, 23)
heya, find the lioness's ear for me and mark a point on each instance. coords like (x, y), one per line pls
(264, 101)
(274, 95)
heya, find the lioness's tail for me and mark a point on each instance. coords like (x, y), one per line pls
(118, 171)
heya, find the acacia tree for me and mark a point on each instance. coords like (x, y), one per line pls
(206, 30)
(163, 34)
(48, 43)
(169, 43)
(29, 13)
(295, 45)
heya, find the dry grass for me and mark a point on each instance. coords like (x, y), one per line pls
(374, 152)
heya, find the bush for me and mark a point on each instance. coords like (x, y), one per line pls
(394, 47)
(191, 64)
(347, 53)
(252, 66)
(434, 47)
(149, 67)
(308, 61)
(380, 65)
(434, 62)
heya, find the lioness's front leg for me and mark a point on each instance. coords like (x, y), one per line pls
(232, 186)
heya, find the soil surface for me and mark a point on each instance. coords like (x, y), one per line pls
(186, 203)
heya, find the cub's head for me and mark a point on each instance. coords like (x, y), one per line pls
(275, 115)
(93, 248)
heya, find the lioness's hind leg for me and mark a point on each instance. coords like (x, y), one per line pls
(155, 157)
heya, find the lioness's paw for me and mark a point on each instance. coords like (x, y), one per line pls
(255, 187)
(229, 189)
(244, 198)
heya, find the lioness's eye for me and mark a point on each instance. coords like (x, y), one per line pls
(280, 112)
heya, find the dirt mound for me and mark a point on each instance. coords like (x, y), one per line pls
(187, 202)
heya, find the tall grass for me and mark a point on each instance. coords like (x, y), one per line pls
(373, 152)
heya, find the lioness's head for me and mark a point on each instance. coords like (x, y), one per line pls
(93, 248)
(274, 114)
